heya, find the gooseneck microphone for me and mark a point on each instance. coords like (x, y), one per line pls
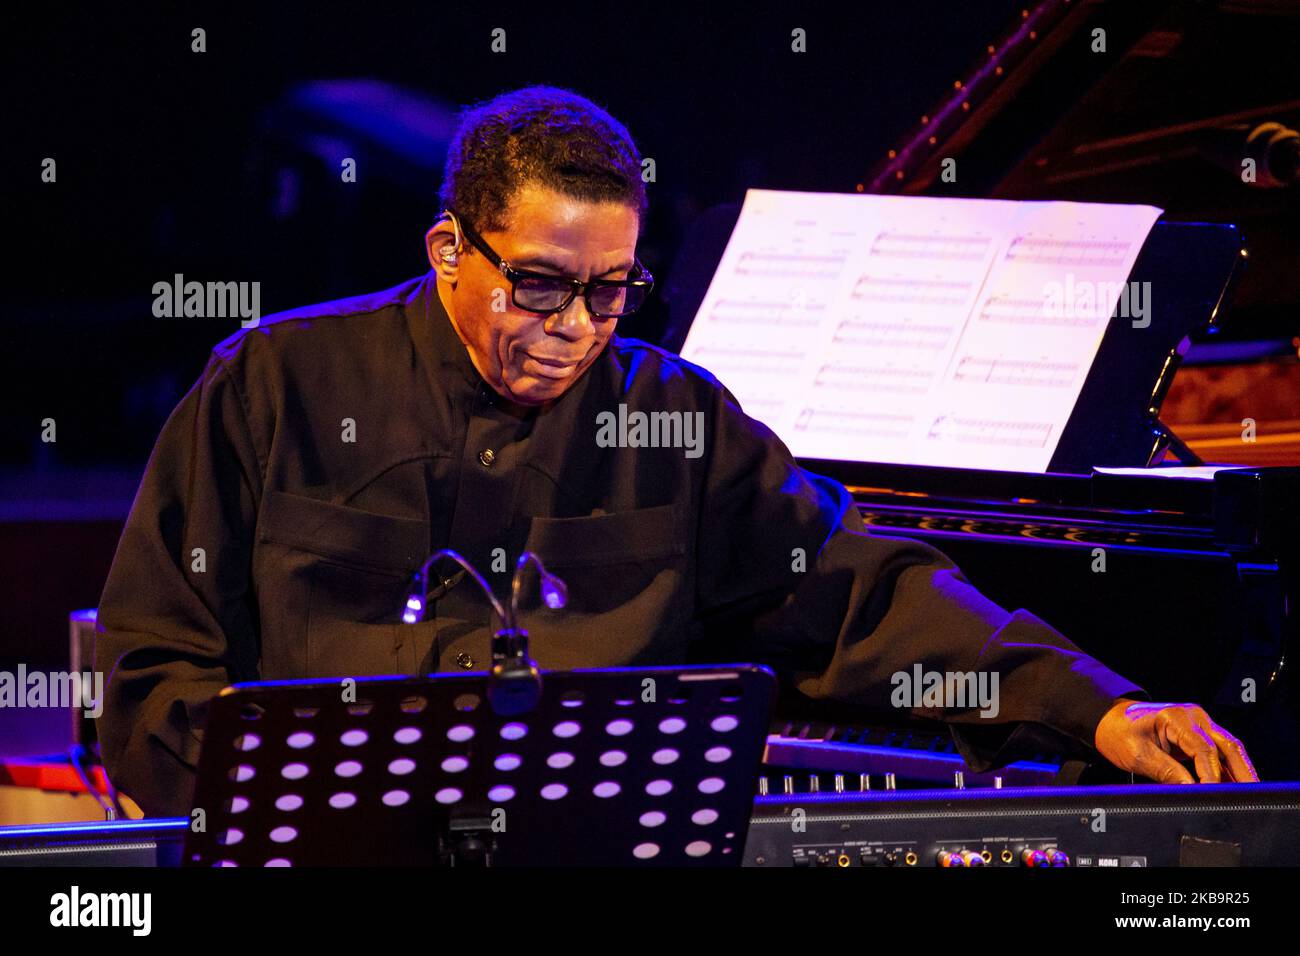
(514, 682)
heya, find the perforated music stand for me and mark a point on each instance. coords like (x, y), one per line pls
(631, 766)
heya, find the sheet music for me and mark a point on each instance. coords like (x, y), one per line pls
(915, 330)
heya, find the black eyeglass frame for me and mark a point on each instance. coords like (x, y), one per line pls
(643, 280)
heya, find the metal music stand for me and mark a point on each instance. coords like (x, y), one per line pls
(630, 766)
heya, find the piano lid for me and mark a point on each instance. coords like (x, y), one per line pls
(1135, 101)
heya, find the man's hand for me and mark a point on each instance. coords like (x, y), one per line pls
(1140, 737)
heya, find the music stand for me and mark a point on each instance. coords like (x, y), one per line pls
(629, 766)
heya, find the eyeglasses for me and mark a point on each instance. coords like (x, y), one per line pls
(547, 294)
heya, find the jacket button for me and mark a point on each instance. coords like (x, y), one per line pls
(464, 661)
(486, 457)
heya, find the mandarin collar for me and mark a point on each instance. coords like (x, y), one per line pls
(442, 347)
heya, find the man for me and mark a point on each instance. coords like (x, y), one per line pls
(323, 455)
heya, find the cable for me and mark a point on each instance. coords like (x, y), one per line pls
(75, 753)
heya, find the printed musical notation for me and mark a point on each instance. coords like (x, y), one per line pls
(1013, 311)
(1016, 372)
(915, 330)
(881, 378)
(726, 361)
(896, 291)
(776, 265)
(1069, 252)
(873, 333)
(791, 314)
(985, 431)
(914, 246)
(837, 424)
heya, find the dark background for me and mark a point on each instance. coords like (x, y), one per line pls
(213, 165)
(224, 166)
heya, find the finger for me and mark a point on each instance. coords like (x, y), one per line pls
(1154, 763)
(1239, 766)
(1209, 769)
(1193, 741)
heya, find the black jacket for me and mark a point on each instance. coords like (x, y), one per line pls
(308, 543)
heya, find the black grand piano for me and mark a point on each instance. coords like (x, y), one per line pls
(1200, 598)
